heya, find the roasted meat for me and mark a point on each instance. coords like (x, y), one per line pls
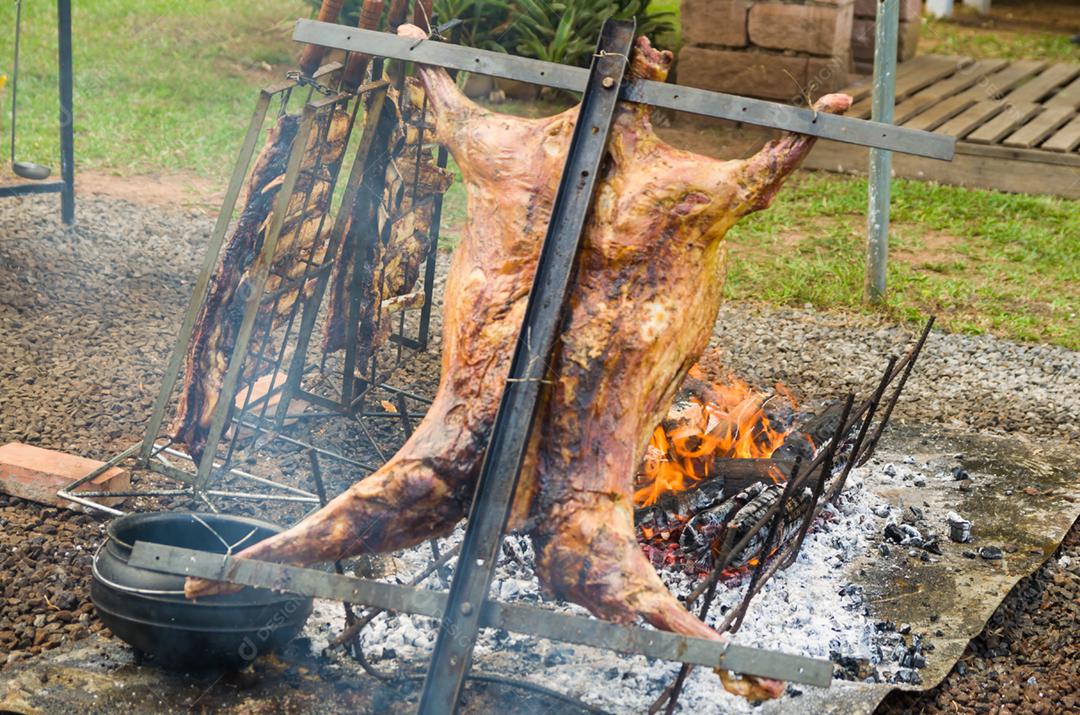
(641, 310)
(389, 267)
(300, 242)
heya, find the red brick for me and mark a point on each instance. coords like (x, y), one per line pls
(33, 473)
(862, 40)
(754, 74)
(714, 22)
(261, 387)
(803, 28)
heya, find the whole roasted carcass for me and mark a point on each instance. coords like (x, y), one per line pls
(647, 291)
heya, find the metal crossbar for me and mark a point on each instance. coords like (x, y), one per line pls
(659, 94)
(490, 614)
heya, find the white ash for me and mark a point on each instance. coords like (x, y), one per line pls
(812, 609)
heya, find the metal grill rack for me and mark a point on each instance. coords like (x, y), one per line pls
(244, 424)
(466, 608)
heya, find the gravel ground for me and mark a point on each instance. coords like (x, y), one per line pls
(88, 317)
(71, 303)
(1026, 661)
(973, 381)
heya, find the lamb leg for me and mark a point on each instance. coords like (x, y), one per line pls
(421, 493)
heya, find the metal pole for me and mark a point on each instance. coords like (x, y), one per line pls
(514, 421)
(67, 119)
(877, 239)
(202, 283)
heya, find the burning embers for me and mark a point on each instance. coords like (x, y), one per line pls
(709, 423)
(716, 467)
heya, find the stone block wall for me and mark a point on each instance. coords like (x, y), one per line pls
(862, 32)
(784, 49)
(767, 48)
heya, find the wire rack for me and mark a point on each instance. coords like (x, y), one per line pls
(282, 389)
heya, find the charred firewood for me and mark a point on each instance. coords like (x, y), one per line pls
(708, 530)
(749, 517)
(797, 444)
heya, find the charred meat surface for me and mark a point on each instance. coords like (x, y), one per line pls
(389, 267)
(300, 243)
(648, 288)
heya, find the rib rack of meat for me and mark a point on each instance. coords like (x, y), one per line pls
(300, 243)
(390, 266)
(647, 291)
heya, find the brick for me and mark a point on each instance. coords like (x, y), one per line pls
(754, 74)
(909, 9)
(258, 391)
(862, 40)
(803, 28)
(33, 473)
(714, 22)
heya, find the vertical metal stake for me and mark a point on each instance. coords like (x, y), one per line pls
(202, 283)
(260, 271)
(67, 118)
(877, 239)
(517, 410)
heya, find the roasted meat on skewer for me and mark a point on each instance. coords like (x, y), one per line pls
(299, 243)
(390, 266)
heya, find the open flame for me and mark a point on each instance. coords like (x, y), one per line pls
(725, 421)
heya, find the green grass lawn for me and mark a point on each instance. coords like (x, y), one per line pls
(947, 38)
(981, 261)
(160, 85)
(164, 86)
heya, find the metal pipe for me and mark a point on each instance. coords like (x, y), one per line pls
(67, 117)
(501, 467)
(246, 475)
(877, 234)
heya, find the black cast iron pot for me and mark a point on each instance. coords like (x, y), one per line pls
(148, 610)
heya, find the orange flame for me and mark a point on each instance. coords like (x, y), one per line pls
(727, 421)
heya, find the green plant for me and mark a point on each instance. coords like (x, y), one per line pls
(562, 32)
(566, 32)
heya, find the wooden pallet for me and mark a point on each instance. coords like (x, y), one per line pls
(1017, 123)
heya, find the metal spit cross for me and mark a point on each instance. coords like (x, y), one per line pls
(466, 608)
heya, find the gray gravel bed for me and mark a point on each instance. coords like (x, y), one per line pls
(979, 382)
(88, 318)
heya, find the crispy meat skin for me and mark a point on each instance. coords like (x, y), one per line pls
(220, 315)
(647, 292)
(390, 266)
